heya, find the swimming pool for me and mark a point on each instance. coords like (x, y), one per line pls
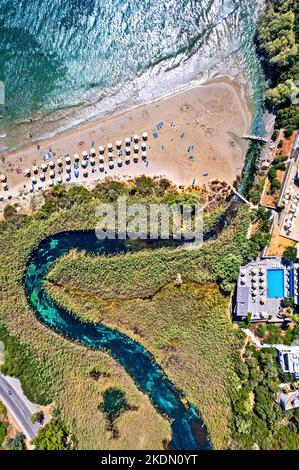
(275, 281)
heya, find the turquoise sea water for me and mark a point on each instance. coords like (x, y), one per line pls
(188, 429)
(67, 61)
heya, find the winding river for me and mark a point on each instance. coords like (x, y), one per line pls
(188, 430)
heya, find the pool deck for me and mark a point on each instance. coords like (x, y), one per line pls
(252, 290)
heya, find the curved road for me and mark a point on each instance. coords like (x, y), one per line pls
(18, 405)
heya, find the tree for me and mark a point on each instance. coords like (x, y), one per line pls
(38, 417)
(15, 443)
(51, 437)
(290, 254)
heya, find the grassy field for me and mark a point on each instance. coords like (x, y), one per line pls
(53, 369)
(169, 301)
(186, 325)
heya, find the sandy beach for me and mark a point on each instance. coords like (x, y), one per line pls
(200, 139)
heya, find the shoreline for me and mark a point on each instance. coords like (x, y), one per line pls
(201, 138)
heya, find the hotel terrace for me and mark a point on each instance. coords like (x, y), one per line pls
(262, 286)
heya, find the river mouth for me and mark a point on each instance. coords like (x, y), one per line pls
(188, 429)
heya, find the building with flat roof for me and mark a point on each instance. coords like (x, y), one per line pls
(288, 357)
(262, 285)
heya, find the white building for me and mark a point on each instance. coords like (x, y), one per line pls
(288, 358)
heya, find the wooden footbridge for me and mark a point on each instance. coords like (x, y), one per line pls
(255, 138)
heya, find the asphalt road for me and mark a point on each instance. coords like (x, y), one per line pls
(18, 406)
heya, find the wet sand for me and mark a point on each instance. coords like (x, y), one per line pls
(201, 139)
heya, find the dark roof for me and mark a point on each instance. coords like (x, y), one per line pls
(242, 300)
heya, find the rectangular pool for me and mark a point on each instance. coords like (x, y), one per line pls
(275, 282)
